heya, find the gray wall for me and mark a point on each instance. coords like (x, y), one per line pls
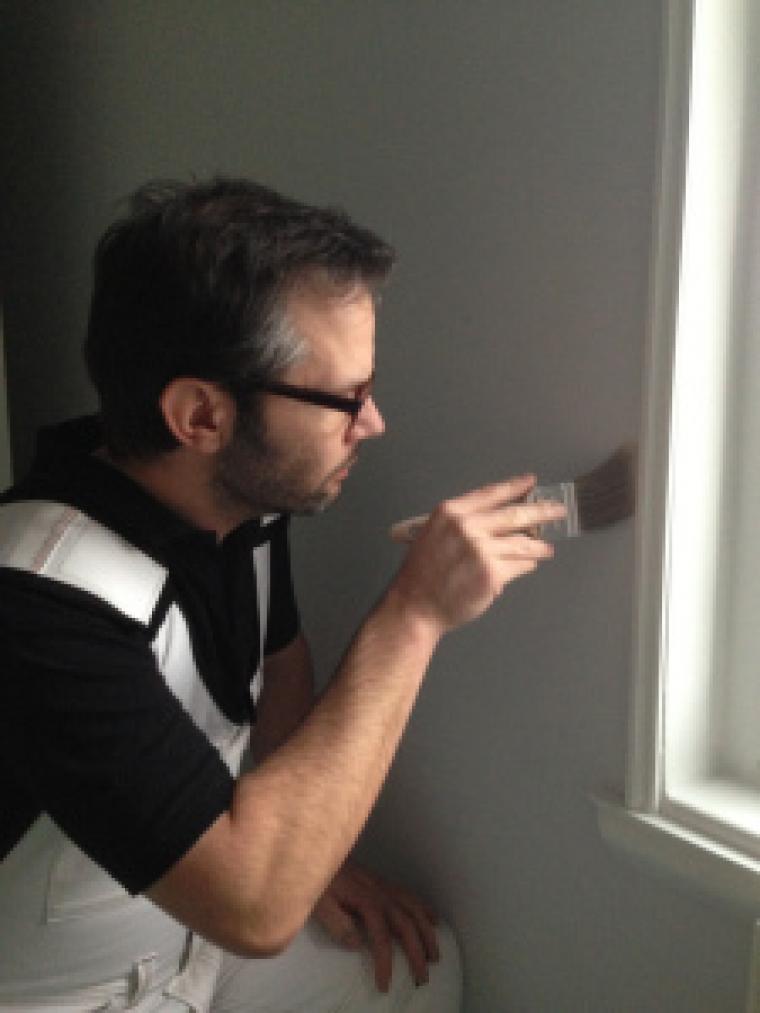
(507, 147)
(5, 441)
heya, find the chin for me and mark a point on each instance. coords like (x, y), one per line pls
(320, 499)
(317, 505)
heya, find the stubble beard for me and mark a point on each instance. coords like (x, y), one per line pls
(252, 475)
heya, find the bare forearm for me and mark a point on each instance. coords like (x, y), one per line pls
(286, 698)
(298, 815)
(252, 880)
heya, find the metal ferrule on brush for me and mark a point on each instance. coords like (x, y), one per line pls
(560, 492)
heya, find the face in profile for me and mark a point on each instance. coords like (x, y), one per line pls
(293, 456)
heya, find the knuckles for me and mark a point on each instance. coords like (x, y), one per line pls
(448, 512)
(449, 517)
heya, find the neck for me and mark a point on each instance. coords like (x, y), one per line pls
(182, 481)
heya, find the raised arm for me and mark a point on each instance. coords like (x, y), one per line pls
(250, 882)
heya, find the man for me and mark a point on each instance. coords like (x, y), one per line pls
(149, 621)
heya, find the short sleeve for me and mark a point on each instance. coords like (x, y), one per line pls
(91, 734)
(283, 622)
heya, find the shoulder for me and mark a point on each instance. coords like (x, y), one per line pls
(59, 543)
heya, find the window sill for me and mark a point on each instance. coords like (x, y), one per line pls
(682, 854)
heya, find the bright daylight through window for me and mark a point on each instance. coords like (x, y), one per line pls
(693, 796)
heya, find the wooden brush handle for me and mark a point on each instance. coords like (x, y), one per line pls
(406, 531)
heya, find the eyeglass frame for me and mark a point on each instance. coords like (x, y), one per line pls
(349, 405)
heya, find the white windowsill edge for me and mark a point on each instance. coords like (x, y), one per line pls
(680, 854)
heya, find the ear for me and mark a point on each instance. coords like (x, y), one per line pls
(199, 414)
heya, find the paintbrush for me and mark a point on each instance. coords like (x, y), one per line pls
(595, 500)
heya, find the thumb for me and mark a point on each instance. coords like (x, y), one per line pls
(338, 923)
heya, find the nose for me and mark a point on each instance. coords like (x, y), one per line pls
(369, 422)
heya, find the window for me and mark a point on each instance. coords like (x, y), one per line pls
(693, 794)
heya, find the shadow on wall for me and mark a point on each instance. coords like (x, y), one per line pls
(5, 449)
(40, 200)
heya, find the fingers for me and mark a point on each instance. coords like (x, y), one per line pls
(501, 506)
(401, 917)
(495, 517)
(456, 567)
(524, 517)
(380, 944)
(519, 547)
(510, 533)
(424, 919)
(465, 553)
(338, 923)
(405, 930)
(384, 912)
(529, 517)
(489, 497)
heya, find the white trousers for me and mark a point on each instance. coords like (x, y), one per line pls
(314, 975)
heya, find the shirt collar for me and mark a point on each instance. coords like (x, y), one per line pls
(66, 470)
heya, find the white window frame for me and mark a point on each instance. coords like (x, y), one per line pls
(680, 810)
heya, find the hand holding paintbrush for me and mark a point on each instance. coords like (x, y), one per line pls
(594, 500)
(467, 551)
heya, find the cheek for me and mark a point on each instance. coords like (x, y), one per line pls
(292, 424)
(327, 432)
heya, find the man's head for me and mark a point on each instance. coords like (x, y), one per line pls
(231, 284)
(294, 454)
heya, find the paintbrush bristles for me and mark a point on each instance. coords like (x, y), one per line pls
(602, 497)
(608, 493)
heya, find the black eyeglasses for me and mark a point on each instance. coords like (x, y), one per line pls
(350, 405)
